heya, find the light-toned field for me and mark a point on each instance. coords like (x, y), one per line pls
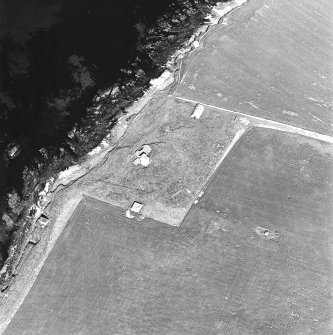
(282, 183)
(273, 60)
(213, 275)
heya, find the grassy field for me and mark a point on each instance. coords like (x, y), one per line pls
(273, 59)
(213, 275)
(282, 183)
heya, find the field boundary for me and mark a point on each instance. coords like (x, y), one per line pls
(231, 147)
(266, 123)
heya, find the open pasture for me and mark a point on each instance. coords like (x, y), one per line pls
(272, 59)
(217, 273)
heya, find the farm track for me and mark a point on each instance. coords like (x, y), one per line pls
(266, 123)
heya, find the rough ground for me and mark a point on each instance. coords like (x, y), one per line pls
(253, 255)
(185, 151)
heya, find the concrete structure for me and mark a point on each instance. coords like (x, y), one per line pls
(136, 207)
(142, 156)
(143, 159)
(198, 110)
(145, 149)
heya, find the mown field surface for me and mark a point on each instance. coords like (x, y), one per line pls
(273, 59)
(283, 183)
(213, 275)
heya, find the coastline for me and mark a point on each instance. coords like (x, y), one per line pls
(55, 189)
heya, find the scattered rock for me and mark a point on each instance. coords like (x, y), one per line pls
(13, 150)
(43, 221)
(219, 225)
(270, 234)
(8, 221)
(14, 202)
(35, 236)
(295, 316)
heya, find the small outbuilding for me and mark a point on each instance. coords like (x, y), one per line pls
(135, 211)
(142, 155)
(143, 159)
(145, 149)
(198, 110)
(136, 207)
